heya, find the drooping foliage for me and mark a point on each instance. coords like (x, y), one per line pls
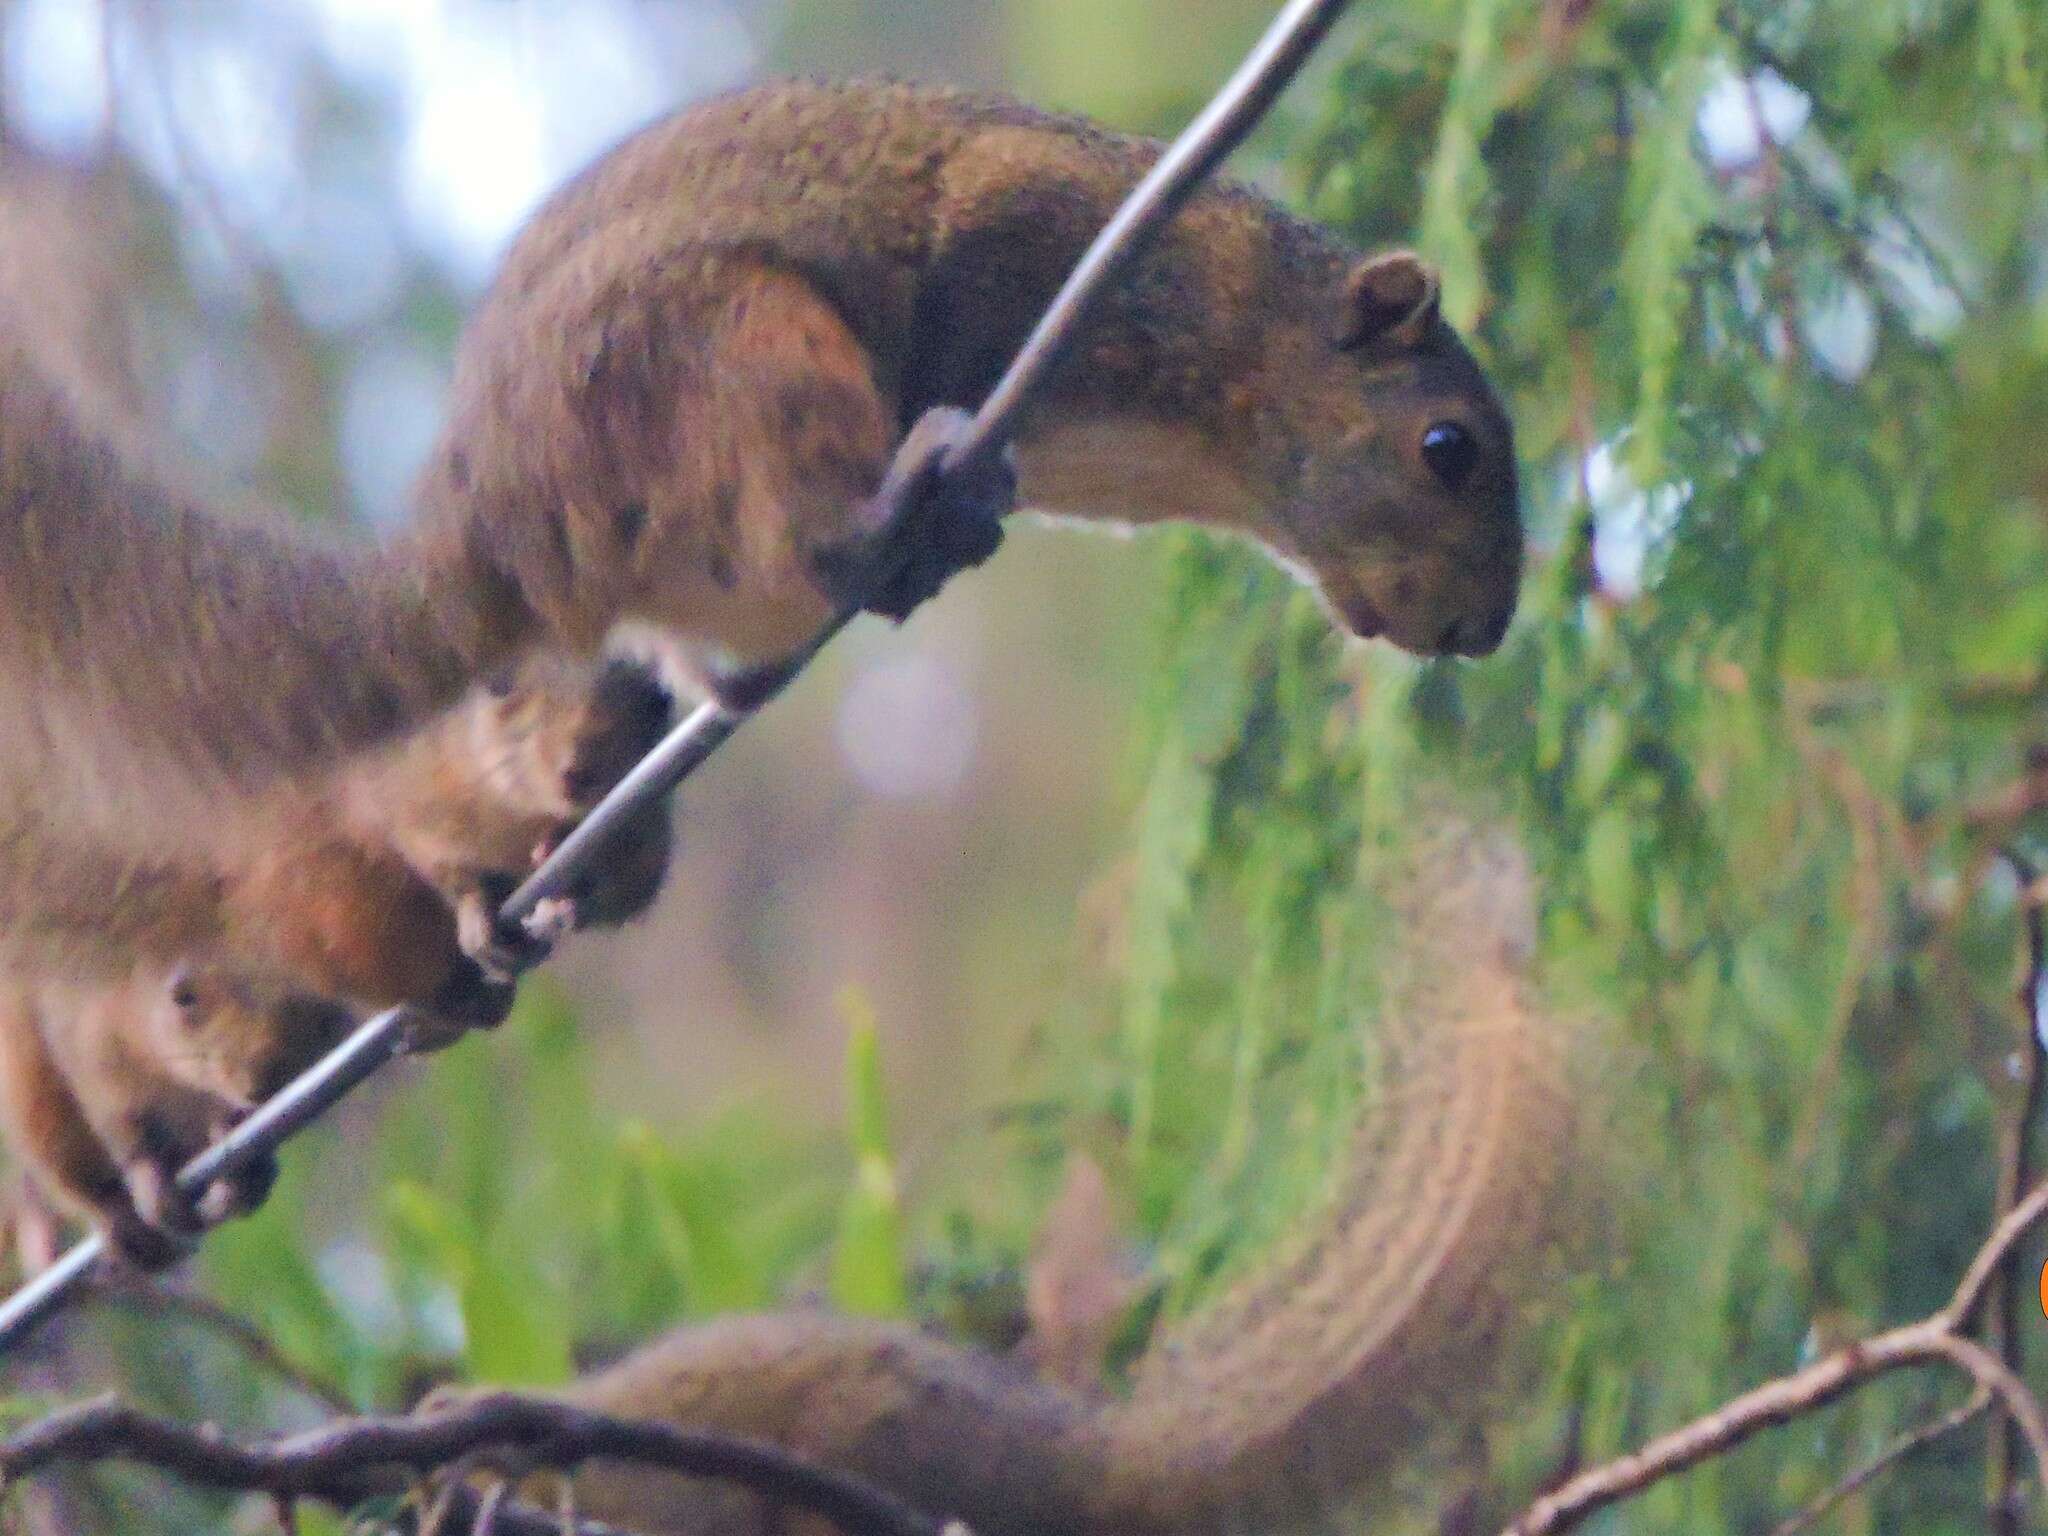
(1762, 285)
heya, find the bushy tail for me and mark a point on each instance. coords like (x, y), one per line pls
(1295, 1387)
(1381, 1318)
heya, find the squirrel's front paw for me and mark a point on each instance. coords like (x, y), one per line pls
(468, 999)
(924, 524)
(162, 1222)
(140, 1246)
(500, 950)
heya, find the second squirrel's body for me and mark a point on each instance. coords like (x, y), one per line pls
(356, 886)
(144, 1006)
(108, 1088)
(677, 403)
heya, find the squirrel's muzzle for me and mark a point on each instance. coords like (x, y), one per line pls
(1440, 602)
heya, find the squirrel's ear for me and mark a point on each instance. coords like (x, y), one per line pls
(1390, 298)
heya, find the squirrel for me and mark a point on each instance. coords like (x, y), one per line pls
(108, 1088)
(152, 998)
(685, 403)
(1296, 1386)
(377, 886)
(149, 1007)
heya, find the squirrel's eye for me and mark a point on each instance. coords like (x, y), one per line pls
(1450, 452)
(184, 993)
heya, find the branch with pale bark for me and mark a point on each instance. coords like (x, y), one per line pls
(1992, 1285)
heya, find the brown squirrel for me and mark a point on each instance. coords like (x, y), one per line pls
(377, 885)
(677, 405)
(150, 1006)
(153, 998)
(107, 1089)
(1291, 1389)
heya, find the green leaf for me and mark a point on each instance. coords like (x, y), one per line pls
(869, 1275)
(1611, 866)
(1454, 189)
(511, 1335)
(1670, 199)
(670, 1222)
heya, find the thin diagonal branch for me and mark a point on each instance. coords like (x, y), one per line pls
(1912, 1441)
(145, 1294)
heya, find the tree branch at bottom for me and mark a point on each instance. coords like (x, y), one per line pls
(353, 1459)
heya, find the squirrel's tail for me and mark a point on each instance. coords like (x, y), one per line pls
(1292, 1389)
(1382, 1316)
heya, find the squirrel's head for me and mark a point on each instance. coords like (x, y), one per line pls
(1404, 506)
(241, 1036)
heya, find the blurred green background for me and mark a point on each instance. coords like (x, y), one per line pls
(1058, 865)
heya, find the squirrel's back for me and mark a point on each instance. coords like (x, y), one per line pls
(938, 221)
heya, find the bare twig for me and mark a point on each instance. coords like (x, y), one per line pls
(488, 1509)
(354, 1459)
(1186, 164)
(1913, 1440)
(2016, 1172)
(1935, 1340)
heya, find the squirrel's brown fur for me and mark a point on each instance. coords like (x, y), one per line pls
(149, 1005)
(356, 889)
(108, 1088)
(1314, 1373)
(675, 404)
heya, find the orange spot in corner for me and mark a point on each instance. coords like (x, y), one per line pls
(2044, 1290)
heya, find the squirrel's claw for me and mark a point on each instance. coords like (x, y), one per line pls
(924, 525)
(468, 999)
(162, 1222)
(500, 950)
(551, 921)
(240, 1192)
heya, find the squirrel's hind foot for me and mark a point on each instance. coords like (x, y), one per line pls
(468, 999)
(924, 525)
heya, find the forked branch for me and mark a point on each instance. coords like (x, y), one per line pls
(1940, 1339)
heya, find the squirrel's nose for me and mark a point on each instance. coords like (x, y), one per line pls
(1479, 636)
